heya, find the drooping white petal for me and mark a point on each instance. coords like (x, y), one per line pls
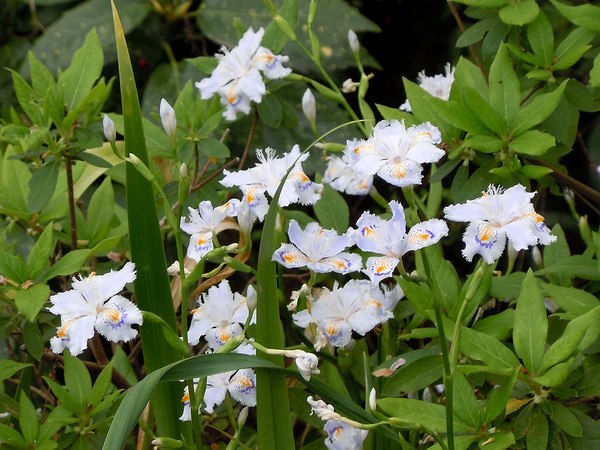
(115, 319)
(342, 436)
(216, 389)
(484, 239)
(426, 233)
(242, 387)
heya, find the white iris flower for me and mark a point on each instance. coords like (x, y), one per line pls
(342, 173)
(358, 306)
(318, 249)
(238, 79)
(399, 152)
(390, 239)
(496, 216)
(266, 175)
(93, 305)
(219, 316)
(203, 224)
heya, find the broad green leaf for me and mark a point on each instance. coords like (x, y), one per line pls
(419, 295)
(101, 209)
(468, 75)
(570, 298)
(519, 13)
(85, 68)
(32, 337)
(30, 301)
(152, 287)
(101, 385)
(9, 367)
(28, 419)
(214, 148)
(498, 398)
(332, 210)
(537, 110)
(575, 266)
(475, 32)
(586, 16)
(41, 252)
(505, 89)
(466, 406)
(13, 267)
(480, 107)
(576, 39)
(498, 325)
(507, 286)
(41, 78)
(483, 143)
(28, 100)
(534, 172)
(389, 113)
(78, 381)
(270, 111)
(424, 105)
(420, 371)
(566, 345)
(497, 441)
(11, 437)
(487, 349)
(531, 324)
(541, 38)
(532, 143)
(69, 264)
(568, 59)
(42, 185)
(537, 434)
(56, 46)
(409, 412)
(565, 419)
(14, 186)
(556, 375)
(595, 72)
(63, 395)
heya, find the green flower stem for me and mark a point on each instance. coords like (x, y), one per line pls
(448, 378)
(380, 199)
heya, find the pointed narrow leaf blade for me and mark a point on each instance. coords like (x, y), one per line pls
(152, 284)
(531, 324)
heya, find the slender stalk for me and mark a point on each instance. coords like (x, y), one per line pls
(448, 378)
(249, 140)
(462, 28)
(71, 196)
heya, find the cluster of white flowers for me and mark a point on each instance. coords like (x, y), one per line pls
(393, 152)
(438, 85)
(238, 76)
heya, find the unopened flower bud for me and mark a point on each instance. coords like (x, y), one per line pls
(166, 442)
(140, 166)
(353, 41)
(251, 298)
(168, 119)
(309, 107)
(110, 131)
(536, 255)
(242, 417)
(183, 170)
(373, 399)
(584, 229)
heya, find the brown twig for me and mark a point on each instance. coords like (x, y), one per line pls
(248, 141)
(462, 28)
